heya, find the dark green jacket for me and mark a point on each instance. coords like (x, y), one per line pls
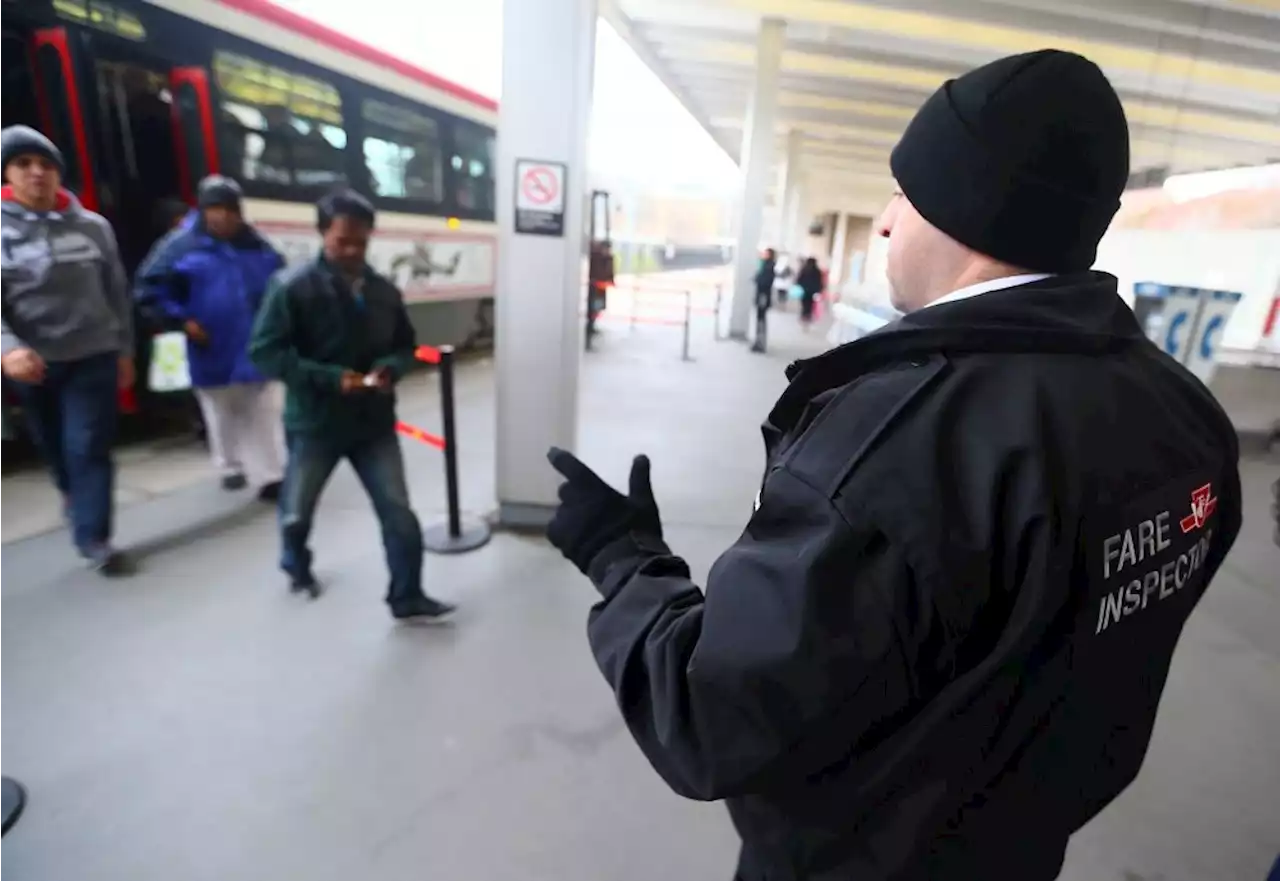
(311, 328)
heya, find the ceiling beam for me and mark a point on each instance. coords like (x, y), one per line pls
(997, 39)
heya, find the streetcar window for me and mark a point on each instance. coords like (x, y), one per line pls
(402, 153)
(472, 164)
(103, 16)
(277, 126)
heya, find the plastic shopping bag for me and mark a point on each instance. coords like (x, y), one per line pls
(169, 370)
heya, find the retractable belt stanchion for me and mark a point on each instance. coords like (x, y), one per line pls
(455, 535)
(633, 318)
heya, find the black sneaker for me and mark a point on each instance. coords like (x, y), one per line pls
(13, 799)
(426, 611)
(233, 482)
(269, 492)
(106, 560)
(305, 583)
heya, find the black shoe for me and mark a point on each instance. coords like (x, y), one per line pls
(305, 583)
(425, 611)
(13, 798)
(233, 482)
(106, 560)
(269, 492)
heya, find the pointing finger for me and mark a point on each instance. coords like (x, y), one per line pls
(571, 466)
(639, 486)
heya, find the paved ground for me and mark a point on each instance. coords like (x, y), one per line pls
(196, 722)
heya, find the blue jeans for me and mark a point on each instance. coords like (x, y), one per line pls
(378, 464)
(72, 419)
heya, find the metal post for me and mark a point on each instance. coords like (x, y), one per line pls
(590, 332)
(688, 315)
(635, 294)
(453, 536)
(450, 440)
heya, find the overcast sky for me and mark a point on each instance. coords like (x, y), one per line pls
(639, 131)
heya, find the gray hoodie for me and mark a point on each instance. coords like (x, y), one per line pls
(65, 292)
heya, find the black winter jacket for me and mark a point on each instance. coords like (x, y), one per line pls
(938, 647)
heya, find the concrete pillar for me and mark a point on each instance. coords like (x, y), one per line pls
(548, 60)
(835, 265)
(857, 239)
(756, 163)
(792, 174)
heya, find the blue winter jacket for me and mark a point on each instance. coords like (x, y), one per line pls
(190, 275)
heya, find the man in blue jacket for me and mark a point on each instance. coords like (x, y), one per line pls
(208, 277)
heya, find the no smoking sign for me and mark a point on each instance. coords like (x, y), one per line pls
(540, 197)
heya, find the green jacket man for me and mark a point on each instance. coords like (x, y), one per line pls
(337, 334)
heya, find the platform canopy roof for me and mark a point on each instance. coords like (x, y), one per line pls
(1200, 81)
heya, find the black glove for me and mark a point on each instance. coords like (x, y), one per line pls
(593, 515)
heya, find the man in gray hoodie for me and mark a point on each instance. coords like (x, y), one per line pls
(67, 332)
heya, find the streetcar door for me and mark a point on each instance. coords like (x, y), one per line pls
(141, 171)
(193, 127)
(62, 109)
(20, 104)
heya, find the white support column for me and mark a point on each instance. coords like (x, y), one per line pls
(757, 161)
(792, 177)
(835, 266)
(548, 61)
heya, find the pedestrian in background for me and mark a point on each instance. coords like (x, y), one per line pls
(68, 334)
(811, 284)
(765, 277)
(208, 277)
(937, 649)
(337, 333)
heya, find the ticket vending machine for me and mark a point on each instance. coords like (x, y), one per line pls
(1185, 322)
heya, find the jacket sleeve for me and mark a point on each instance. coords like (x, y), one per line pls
(792, 656)
(401, 358)
(9, 339)
(273, 348)
(115, 286)
(158, 287)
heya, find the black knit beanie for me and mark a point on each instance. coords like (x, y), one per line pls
(20, 140)
(219, 190)
(1023, 159)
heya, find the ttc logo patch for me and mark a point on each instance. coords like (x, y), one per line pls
(1203, 503)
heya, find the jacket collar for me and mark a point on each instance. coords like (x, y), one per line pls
(246, 239)
(64, 201)
(327, 269)
(1079, 313)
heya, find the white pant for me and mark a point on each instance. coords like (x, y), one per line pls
(246, 434)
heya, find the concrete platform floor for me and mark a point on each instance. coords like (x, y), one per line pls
(197, 723)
